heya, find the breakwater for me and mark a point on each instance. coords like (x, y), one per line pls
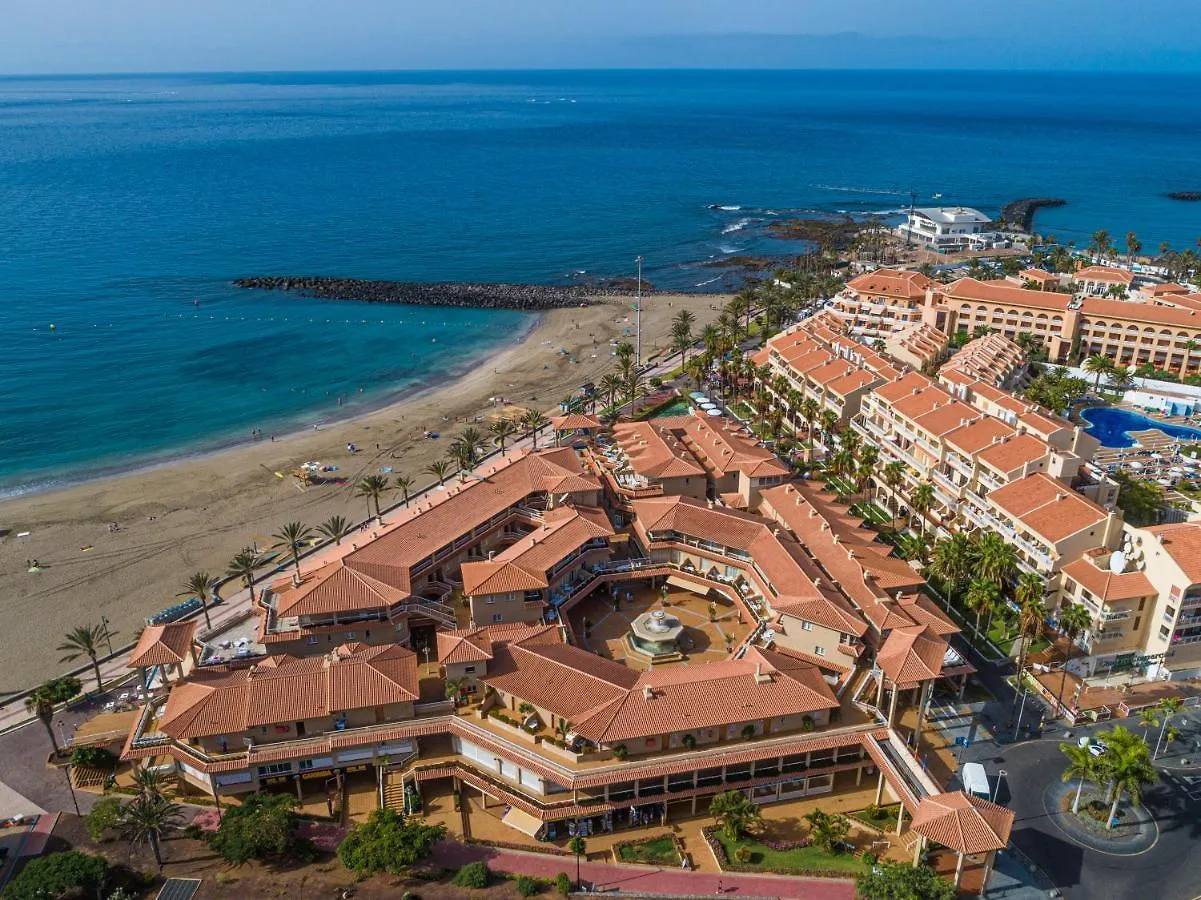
(529, 297)
(1020, 213)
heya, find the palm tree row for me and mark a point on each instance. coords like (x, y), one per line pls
(1125, 768)
(977, 569)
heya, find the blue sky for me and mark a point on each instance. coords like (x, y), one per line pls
(54, 36)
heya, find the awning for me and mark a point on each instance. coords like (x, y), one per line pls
(522, 821)
(677, 581)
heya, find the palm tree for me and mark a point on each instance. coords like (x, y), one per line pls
(578, 846)
(952, 561)
(404, 484)
(1031, 615)
(203, 587)
(461, 454)
(147, 781)
(1121, 377)
(921, 501)
(474, 441)
(826, 830)
(1133, 246)
(1148, 718)
(1082, 765)
(827, 420)
(1167, 707)
(85, 640)
(735, 812)
(146, 820)
(502, 430)
(41, 705)
(372, 488)
(893, 475)
(1101, 245)
(610, 384)
(292, 537)
(681, 330)
(1188, 347)
(1127, 764)
(243, 567)
(981, 597)
(1097, 365)
(1074, 619)
(440, 467)
(534, 421)
(335, 528)
(995, 559)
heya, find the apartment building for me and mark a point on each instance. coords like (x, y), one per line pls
(379, 592)
(1101, 281)
(948, 229)
(819, 361)
(686, 456)
(881, 302)
(919, 346)
(993, 359)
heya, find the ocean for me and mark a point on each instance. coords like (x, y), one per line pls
(130, 203)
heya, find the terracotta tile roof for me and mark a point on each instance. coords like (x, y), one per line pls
(911, 654)
(654, 452)
(1039, 276)
(1109, 586)
(1160, 290)
(1010, 455)
(721, 447)
(162, 645)
(476, 644)
(761, 685)
(524, 565)
(829, 610)
(891, 283)
(966, 824)
(1147, 313)
(433, 524)
(1182, 542)
(946, 418)
(1047, 507)
(983, 432)
(992, 358)
(284, 689)
(575, 422)
(904, 387)
(924, 611)
(565, 680)
(334, 588)
(1106, 274)
(973, 291)
(773, 550)
(863, 575)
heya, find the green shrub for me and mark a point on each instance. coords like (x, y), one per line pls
(527, 886)
(563, 883)
(104, 816)
(621, 751)
(387, 842)
(472, 875)
(93, 758)
(59, 875)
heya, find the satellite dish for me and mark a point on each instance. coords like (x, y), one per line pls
(1117, 562)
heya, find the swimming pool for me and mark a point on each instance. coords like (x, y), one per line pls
(679, 407)
(1110, 426)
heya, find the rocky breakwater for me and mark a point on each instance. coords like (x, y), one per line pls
(531, 297)
(1020, 213)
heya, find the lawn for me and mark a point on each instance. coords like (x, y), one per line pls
(660, 851)
(873, 513)
(840, 485)
(794, 862)
(885, 818)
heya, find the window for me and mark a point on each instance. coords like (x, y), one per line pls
(275, 769)
(304, 765)
(819, 651)
(468, 670)
(497, 617)
(350, 635)
(491, 599)
(806, 626)
(311, 639)
(1137, 619)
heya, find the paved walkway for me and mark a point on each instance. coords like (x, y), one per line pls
(610, 877)
(39, 835)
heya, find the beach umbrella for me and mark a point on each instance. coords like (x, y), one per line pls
(1135, 464)
(715, 412)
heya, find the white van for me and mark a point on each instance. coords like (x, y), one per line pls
(975, 781)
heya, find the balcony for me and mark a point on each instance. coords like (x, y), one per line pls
(955, 490)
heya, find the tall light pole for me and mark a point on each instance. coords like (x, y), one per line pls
(108, 635)
(638, 315)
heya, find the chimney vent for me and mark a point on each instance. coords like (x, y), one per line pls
(648, 693)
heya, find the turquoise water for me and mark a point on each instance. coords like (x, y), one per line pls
(128, 199)
(1112, 426)
(678, 408)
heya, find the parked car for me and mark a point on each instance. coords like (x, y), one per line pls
(1095, 747)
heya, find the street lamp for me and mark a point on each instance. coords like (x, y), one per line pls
(638, 314)
(1000, 774)
(71, 788)
(108, 635)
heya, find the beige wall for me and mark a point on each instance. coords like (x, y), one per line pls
(791, 633)
(287, 731)
(485, 609)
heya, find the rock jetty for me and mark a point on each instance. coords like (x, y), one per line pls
(1020, 213)
(531, 297)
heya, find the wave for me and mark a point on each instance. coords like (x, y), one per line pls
(858, 190)
(737, 226)
(723, 208)
(726, 248)
(710, 281)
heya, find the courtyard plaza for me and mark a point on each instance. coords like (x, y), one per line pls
(712, 625)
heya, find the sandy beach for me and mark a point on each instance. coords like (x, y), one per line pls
(195, 514)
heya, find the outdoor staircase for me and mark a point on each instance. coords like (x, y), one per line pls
(394, 795)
